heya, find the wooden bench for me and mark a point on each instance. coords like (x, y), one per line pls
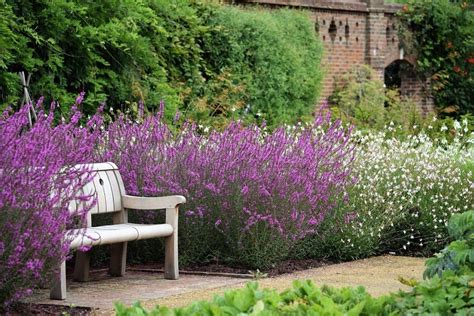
(108, 188)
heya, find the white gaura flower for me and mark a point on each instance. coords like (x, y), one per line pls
(456, 125)
(396, 177)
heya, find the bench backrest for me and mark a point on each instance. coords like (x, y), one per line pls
(107, 186)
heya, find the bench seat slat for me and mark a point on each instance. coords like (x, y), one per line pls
(109, 234)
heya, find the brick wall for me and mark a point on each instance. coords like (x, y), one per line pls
(356, 32)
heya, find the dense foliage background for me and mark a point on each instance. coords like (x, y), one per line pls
(207, 60)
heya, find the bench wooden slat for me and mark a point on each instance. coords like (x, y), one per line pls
(115, 188)
(111, 234)
(99, 191)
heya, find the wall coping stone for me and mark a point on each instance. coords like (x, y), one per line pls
(348, 5)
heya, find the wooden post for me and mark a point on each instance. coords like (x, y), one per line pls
(25, 82)
(171, 246)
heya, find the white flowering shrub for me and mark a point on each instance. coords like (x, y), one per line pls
(403, 196)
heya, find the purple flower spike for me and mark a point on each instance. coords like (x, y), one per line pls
(80, 98)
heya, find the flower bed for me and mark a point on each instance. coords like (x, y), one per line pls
(256, 197)
(252, 195)
(406, 191)
(36, 189)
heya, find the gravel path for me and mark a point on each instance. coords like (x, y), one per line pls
(379, 275)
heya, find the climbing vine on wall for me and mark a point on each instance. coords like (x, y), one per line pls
(440, 34)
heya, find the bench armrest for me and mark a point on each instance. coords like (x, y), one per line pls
(152, 203)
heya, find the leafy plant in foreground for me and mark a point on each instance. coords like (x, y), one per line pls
(458, 256)
(304, 298)
(446, 295)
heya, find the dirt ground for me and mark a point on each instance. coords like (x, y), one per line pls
(378, 274)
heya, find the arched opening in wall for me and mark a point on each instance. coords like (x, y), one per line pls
(400, 75)
(396, 72)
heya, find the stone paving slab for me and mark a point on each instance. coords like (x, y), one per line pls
(378, 274)
(103, 291)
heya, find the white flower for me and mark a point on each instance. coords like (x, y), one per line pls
(456, 125)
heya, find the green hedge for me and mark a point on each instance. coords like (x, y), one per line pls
(208, 60)
(274, 55)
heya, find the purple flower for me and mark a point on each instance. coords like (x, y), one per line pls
(211, 187)
(80, 98)
(37, 186)
(176, 117)
(313, 221)
(349, 217)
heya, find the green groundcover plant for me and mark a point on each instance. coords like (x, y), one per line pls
(446, 293)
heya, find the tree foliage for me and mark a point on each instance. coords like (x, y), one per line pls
(208, 60)
(440, 34)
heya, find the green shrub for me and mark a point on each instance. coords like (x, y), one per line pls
(360, 98)
(275, 56)
(114, 50)
(213, 62)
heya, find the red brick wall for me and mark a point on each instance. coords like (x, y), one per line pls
(342, 49)
(414, 88)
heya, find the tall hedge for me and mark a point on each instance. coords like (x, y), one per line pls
(275, 55)
(210, 61)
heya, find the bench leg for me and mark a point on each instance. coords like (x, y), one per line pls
(171, 246)
(118, 259)
(58, 289)
(81, 268)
